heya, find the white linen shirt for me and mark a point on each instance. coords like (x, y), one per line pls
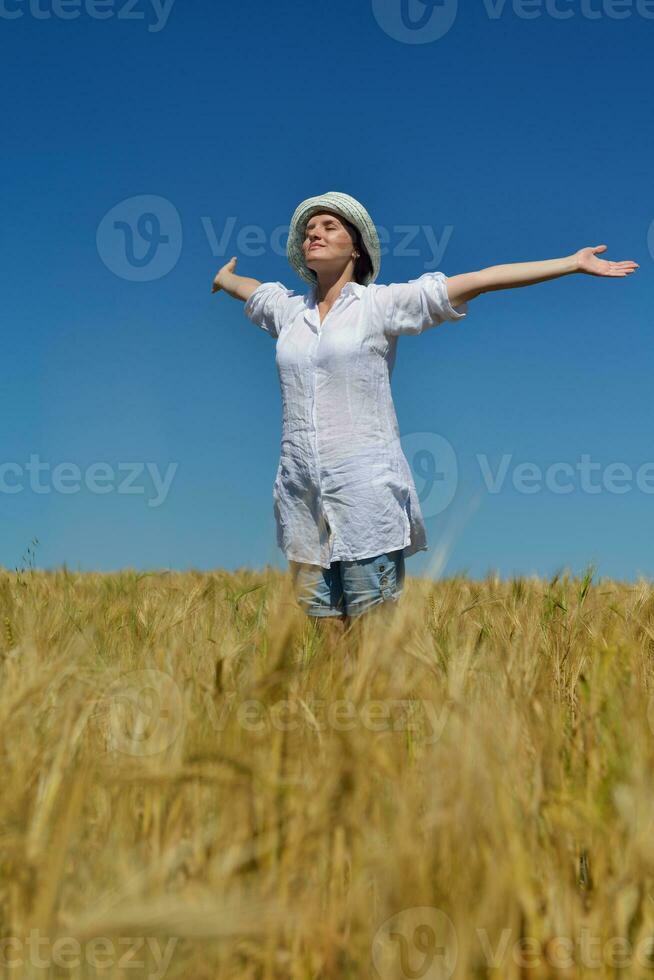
(344, 489)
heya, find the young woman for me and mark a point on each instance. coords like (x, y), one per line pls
(345, 503)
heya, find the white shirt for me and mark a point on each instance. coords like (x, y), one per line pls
(344, 489)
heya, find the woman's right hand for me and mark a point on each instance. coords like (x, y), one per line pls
(226, 269)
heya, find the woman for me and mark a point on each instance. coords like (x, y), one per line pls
(345, 503)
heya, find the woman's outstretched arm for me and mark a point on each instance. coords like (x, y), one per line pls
(240, 287)
(472, 284)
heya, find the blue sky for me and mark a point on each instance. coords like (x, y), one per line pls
(496, 132)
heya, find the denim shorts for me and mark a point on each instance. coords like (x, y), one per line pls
(348, 588)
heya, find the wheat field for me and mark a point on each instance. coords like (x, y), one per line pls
(198, 783)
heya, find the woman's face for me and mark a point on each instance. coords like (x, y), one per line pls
(327, 242)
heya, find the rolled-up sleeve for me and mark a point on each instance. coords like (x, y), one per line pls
(266, 306)
(416, 305)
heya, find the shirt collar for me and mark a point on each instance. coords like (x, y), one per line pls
(354, 287)
(350, 289)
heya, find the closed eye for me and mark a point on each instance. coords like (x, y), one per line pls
(330, 224)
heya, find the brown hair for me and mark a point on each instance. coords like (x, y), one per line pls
(362, 265)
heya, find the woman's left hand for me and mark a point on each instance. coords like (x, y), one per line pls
(588, 262)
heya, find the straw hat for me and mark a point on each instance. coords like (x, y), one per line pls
(346, 207)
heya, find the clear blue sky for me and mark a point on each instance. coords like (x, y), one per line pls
(507, 138)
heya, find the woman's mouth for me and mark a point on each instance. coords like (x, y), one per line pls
(317, 245)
